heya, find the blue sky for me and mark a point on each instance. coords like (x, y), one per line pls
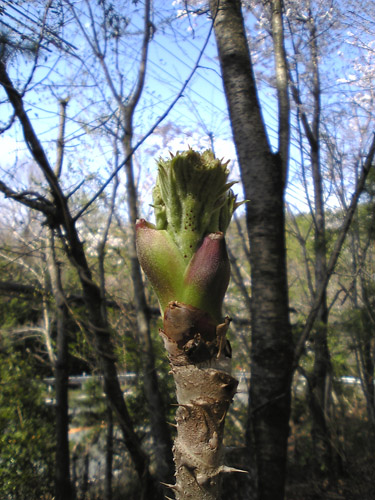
(198, 117)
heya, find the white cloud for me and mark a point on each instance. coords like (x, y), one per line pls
(9, 147)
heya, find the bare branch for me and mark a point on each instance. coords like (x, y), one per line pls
(143, 63)
(302, 241)
(31, 138)
(281, 83)
(54, 37)
(29, 199)
(60, 139)
(10, 288)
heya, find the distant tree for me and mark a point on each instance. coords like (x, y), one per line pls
(358, 293)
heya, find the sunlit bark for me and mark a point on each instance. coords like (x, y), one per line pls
(263, 179)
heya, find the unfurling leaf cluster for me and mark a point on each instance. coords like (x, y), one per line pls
(184, 255)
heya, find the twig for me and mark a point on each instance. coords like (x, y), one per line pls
(150, 132)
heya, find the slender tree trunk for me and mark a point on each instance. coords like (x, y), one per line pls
(364, 336)
(318, 388)
(366, 355)
(156, 407)
(101, 258)
(159, 427)
(108, 456)
(263, 177)
(368, 370)
(63, 487)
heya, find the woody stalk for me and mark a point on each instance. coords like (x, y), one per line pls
(184, 257)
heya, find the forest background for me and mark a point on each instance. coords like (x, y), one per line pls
(93, 93)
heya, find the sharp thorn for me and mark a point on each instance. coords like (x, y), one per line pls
(174, 487)
(183, 405)
(167, 484)
(225, 468)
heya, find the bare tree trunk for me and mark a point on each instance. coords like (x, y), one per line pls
(368, 371)
(366, 356)
(318, 385)
(108, 456)
(101, 260)
(159, 427)
(63, 487)
(263, 177)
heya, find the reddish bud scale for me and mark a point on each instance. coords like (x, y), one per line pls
(207, 276)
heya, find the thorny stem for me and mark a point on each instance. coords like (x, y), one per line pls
(185, 258)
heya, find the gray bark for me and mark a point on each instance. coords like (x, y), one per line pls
(64, 488)
(263, 180)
